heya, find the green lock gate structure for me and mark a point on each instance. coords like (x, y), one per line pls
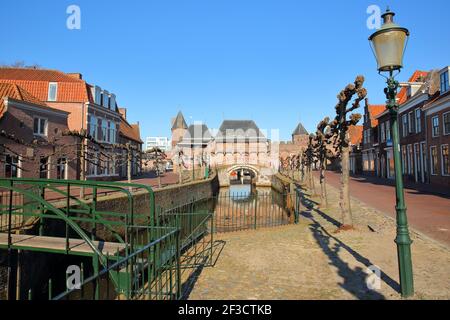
(135, 255)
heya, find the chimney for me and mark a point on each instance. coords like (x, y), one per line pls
(78, 76)
(123, 112)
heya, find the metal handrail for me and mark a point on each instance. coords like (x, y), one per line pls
(124, 260)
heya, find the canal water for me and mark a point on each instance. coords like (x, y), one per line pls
(244, 206)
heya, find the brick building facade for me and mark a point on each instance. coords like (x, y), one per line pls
(89, 108)
(37, 148)
(437, 126)
(424, 129)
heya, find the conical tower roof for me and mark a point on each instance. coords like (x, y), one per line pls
(179, 122)
(300, 130)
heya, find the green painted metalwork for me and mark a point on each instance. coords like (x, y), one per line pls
(27, 199)
(403, 240)
(242, 211)
(149, 265)
(151, 273)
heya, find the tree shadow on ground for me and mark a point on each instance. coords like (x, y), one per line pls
(354, 279)
(208, 260)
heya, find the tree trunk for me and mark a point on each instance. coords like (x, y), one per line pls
(323, 188)
(313, 184)
(129, 158)
(347, 220)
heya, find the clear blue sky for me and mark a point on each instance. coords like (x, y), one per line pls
(276, 62)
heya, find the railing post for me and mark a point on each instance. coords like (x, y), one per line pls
(178, 264)
(10, 218)
(41, 220)
(94, 213)
(68, 217)
(95, 266)
(212, 236)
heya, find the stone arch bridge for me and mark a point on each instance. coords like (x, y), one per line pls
(261, 176)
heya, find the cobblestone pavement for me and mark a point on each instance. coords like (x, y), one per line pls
(311, 261)
(427, 212)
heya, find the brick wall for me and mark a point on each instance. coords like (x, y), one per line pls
(19, 121)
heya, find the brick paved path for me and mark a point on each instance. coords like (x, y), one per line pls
(310, 261)
(151, 179)
(427, 212)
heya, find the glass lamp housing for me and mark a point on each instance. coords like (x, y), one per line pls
(388, 44)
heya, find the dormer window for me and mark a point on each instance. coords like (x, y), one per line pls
(444, 82)
(105, 99)
(52, 91)
(98, 95)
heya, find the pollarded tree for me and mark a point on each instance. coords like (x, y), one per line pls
(321, 151)
(339, 129)
(309, 160)
(158, 157)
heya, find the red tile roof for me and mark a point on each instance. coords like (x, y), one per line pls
(403, 94)
(130, 131)
(374, 111)
(9, 90)
(355, 134)
(35, 81)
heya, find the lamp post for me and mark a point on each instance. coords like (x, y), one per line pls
(389, 44)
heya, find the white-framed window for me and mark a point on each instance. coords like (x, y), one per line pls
(382, 132)
(388, 130)
(390, 163)
(446, 123)
(40, 126)
(112, 101)
(418, 121)
(410, 159)
(435, 126)
(100, 165)
(404, 125)
(61, 168)
(12, 166)
(92, 167)
(445, 163)
(112, 132)
(44, 167)
(410, 122)
(98, 95)
(404, 158)
(52, 91)
(112, 169)
(434, 160)
(92, 126)
(105, 99)
(104, 130)
(444, 82)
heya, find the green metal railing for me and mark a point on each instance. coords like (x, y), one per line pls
(157, 245)
(155, 269)
(51, 210)
(195, 223)
(242, 211)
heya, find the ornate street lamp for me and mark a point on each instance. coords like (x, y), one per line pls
(389, 44)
